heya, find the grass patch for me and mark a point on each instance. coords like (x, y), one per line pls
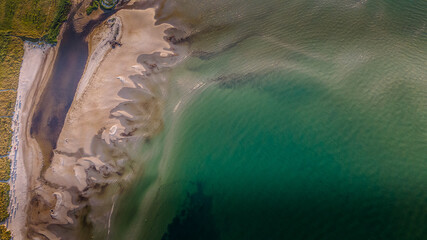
(4, 233)
(94, 6)
(5, 135)
(20, 19)
(11, 53)
(29, 18)
(33, 18)
(60, 17)
(4, 200)
(4, 168)
(7, 102)
(103, 4)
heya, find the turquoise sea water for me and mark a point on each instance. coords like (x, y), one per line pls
(290, 120)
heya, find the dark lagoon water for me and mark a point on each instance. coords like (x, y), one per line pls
(60, 89)
(290, 120)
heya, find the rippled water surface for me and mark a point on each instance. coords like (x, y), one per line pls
(290, 120)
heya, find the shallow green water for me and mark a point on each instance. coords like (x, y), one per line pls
(312, 124)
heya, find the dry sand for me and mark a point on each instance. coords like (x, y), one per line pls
(95, 98)
(119, 99)
(29, 78)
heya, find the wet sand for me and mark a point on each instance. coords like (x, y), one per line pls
(24, 149)
(118, 104)
(59, 92)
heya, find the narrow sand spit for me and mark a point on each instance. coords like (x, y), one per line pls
(118, 99)
(94, 99)
(32, 67)
(101, 38)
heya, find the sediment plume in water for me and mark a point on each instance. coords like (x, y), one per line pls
(118, 106)
(287, 121)
(297, 119)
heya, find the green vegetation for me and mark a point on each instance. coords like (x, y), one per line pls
(5, 135)
(104, 4)
(60, 17)
(33, 18)
(4, 233)
(4, 200)
(29, 18)
(94, 6)
(11, 53)
(4, 168)
(20, 19)
(7, 102)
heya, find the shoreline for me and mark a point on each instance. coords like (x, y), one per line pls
(98, 50)
(117, 104)
(32, 67)
(25, 156)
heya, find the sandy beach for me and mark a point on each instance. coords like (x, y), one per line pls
(29, 80)
(118, 102)
(216, 119)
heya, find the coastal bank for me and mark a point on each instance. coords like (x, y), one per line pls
(93, 107)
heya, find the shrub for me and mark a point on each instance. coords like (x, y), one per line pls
(4, 200)
(60, 17)
(11, 53)
(4, 233)
(94, 6)
(4, 168)
(5, 135)
(7, 102)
